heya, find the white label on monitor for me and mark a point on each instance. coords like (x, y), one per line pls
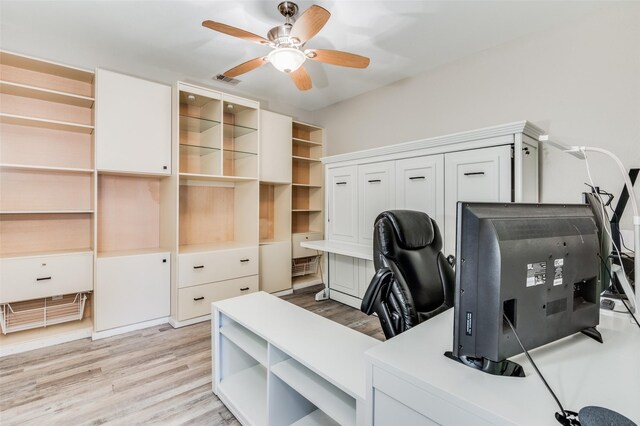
(536, 273)
(558, 265)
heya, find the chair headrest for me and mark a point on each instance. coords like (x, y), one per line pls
(413, 230)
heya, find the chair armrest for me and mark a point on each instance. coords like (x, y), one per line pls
(378, 287)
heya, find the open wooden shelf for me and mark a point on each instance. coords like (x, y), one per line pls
(21, 120)
(130, 218)
(49, 68)
(311, 160)
(27, 91)
(305, 142)
(45, 148)
(27, 234)
(25, 190)
(45, 168)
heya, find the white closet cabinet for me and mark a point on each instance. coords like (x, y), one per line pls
(494, 164)
(342, 204)
(375, 195)
(133, 118)
(343, 274)
(478, 175)
(420, 185)
(275, 147)
(131, 289)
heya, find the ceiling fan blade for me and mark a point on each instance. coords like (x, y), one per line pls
(309, 23)
(301, 79)
(235, 32)
(246, 67)
(336, 57)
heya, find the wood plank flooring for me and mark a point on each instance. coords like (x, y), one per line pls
(159, 375)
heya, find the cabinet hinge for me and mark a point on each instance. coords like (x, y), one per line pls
(512, 152)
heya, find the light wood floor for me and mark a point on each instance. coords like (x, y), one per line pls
(158, 375)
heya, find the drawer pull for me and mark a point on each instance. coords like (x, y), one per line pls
(198, 298)
(375, 181)
(416, 177)
(341, 183)
(244, 260)
(474, 173)
(244, 289)
(43, 279)
(199, 267)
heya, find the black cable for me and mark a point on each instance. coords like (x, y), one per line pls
(615, 287)
(615, 216)
(564, 413)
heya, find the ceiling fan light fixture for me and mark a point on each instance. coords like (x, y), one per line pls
(286, 59)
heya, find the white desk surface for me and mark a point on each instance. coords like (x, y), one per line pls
(329, 349)
(359, 251)
(581, 372)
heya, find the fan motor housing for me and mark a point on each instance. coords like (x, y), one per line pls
(280, 36)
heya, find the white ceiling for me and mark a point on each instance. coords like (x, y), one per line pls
(164, 40)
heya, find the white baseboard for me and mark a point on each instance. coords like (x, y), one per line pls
(44, 341)
(97, 335)
(178, 324)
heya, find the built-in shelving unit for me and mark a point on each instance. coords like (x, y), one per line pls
(216, 140)
(266, 372)
(46, 192)
(307, 201)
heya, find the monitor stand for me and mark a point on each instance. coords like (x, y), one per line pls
(503, 368)
(508, 368)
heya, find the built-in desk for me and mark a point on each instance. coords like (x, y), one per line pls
(350, 269)
(411, 382)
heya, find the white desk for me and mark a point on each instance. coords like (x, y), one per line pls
(411, 382)
(276, 363)
(359, 251)
(349, 270)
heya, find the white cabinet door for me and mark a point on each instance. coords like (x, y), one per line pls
(275, 147)
(375, 195)
(479, 175)
(343, 274)
(342, 204)
(132, 289)
(133, 124)
(275, 266)
(420, 186)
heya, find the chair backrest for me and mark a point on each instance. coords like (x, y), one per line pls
(409, 243)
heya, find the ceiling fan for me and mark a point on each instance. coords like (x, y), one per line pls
(288, 41)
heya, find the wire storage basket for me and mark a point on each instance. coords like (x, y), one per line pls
(41, 312)
(304, 266)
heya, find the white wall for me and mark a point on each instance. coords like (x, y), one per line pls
(580, 82)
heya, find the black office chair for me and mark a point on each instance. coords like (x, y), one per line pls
(414, 281)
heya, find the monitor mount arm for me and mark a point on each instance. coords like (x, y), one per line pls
(579, 152)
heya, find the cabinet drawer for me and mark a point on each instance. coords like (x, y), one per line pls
(296, 239)
(196, 301)
(36, 277)
(201, 268)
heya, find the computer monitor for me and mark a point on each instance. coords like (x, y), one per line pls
(537, 264)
